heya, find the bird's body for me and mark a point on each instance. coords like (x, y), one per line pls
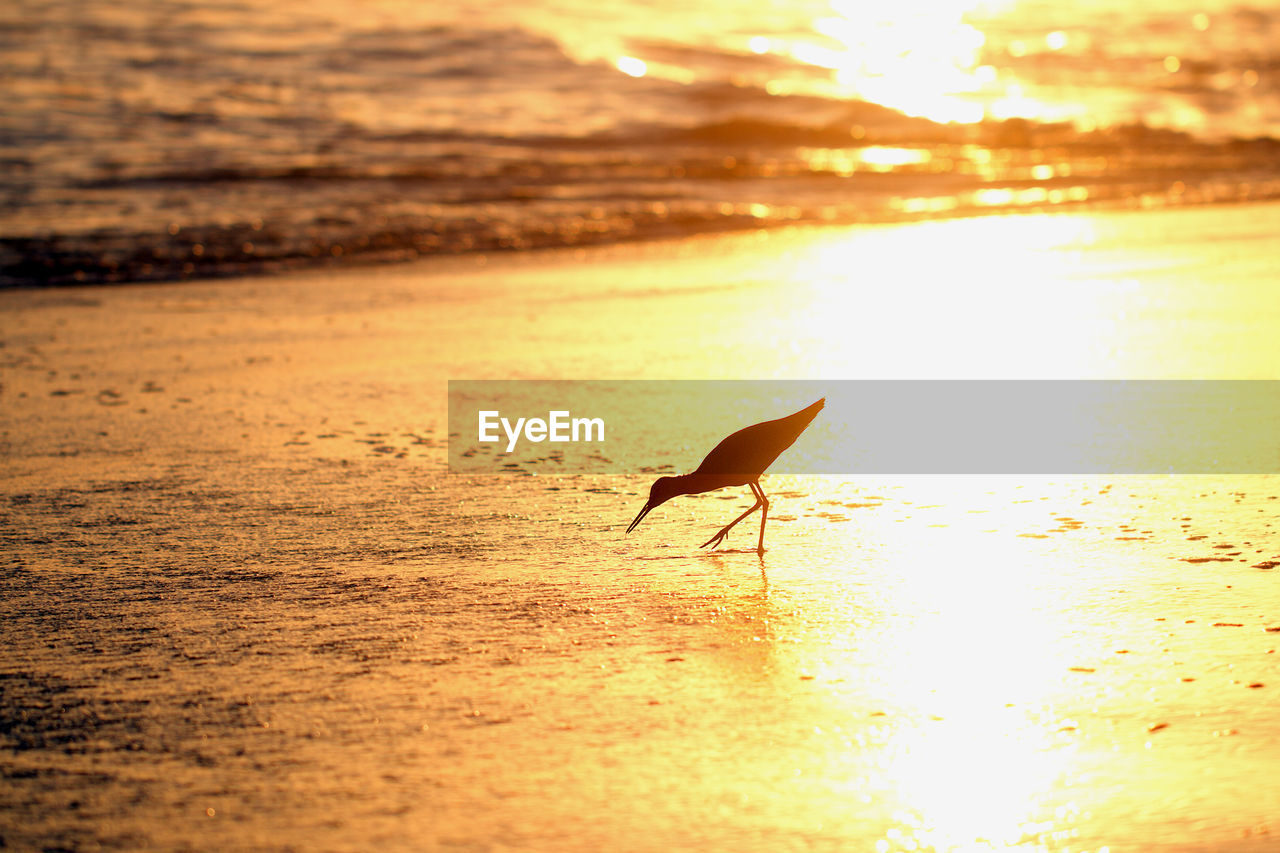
(738, 460)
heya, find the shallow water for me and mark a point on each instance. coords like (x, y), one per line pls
(247, 606)
(187, 138)
(515, 674)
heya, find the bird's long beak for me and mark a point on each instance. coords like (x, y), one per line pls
(640, 517)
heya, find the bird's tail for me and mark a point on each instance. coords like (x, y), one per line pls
(807, 414)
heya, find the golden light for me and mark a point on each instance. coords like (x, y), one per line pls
(921, 57)
(631, 66)
(934, 771)
(965, 286)
(1013, 104)
(887, 157)
(970, 678)
(873, 158)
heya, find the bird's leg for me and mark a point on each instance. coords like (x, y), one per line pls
(764, 513)
(715, 541)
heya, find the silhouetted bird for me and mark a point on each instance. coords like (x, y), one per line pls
(739, 460)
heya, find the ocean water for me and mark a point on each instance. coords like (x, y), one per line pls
(175, 139)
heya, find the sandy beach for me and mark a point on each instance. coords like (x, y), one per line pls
(247, 607)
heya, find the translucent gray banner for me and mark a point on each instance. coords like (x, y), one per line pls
(887, 427)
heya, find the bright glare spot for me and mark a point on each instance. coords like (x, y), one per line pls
(1017, 49)
(1056, 40)
(1042, 172)
(1200, 21)
(883, 155)
(993, 197)
(1015, 105)
(985, 73)
(873, 158)
(1172, 64)
(1249, 78)
(631, 66)
(892, 272)
(759, 45)
(917, 56)
(938, 204)
(972, 667)
(935, 771)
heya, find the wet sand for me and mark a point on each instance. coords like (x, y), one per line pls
(246, 607)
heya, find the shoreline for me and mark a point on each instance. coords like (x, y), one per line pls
(937, 210)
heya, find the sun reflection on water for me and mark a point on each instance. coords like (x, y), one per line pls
(967, 786)
(928, 59)
(925, 58)
(920, 56)
(977, 758)
(980, 290)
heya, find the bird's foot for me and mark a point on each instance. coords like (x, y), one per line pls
(715, 541)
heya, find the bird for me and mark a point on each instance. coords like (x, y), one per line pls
(738, 460)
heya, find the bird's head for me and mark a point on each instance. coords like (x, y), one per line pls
(662, 490)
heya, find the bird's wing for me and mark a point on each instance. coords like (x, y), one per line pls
(751, 450)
